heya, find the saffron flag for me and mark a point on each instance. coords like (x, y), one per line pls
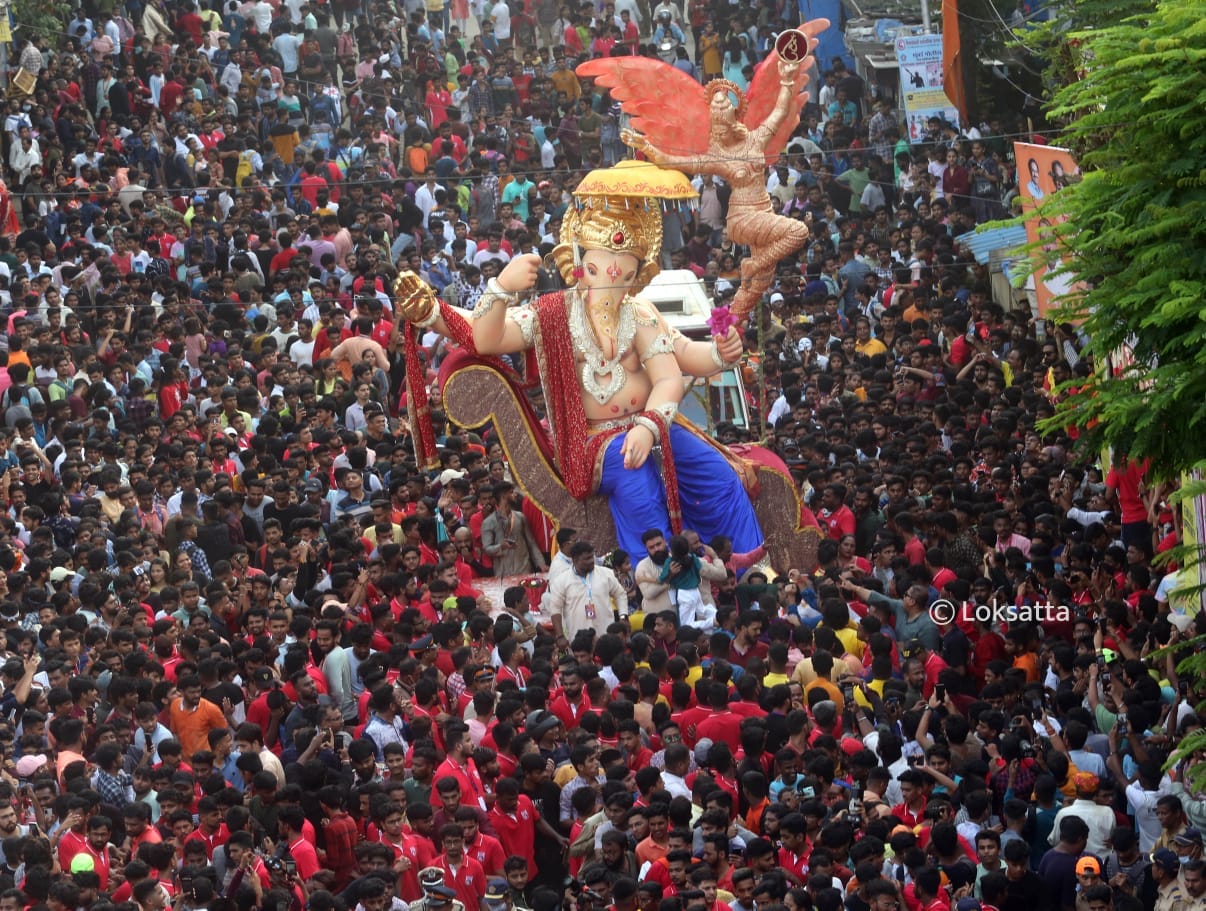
(952, 61)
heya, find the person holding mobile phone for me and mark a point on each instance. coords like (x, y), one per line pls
(911, 809)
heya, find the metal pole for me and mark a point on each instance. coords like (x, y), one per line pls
(763, 435)
(925, 18)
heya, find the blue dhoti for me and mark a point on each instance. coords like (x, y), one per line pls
(711, 495)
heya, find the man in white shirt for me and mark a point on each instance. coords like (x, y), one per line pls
(587, 597)
(425, 198)
(263, 12)
(678, 764)
(500, 13)
(1142, 795)
(1099, 819)
(301, 352)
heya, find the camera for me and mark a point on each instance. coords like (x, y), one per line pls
(940, 691)
(1123, 725)
(585, 898)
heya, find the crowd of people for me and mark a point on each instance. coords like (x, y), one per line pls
(249, 662)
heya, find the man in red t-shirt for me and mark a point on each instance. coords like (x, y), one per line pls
(485, 849)
(460, 766)
(722, 725)
(291, 821)
(1125, 482)
(639, 755)
(171, 93)
(514, 818)
(927, 887)
(573, 703)
(911, 810)
(283, 259)
(311, 183)
(412, 852)
(461, 872)
(73, 839)
(835, 516)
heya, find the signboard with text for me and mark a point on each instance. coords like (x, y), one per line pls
(921, 83)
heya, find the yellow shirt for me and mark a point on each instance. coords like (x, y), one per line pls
(850, 641)
(397, 535)
(566, 81)
(774, 680)
(804, 673)
(870, 347)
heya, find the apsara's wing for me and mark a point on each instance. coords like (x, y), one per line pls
(665, 104)
(764, 91)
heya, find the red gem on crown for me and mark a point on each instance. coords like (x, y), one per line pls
(618, 237)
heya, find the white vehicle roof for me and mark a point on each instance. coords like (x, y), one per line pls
(680, 296)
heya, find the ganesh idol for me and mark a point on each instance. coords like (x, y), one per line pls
(611, 369)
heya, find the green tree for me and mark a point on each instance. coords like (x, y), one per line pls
(1135, 243)
(44, 17)
(1135, 236)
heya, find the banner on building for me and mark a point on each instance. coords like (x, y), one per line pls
(1042, 172)
(922, 81)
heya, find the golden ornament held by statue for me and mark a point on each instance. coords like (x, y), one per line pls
(414, 300)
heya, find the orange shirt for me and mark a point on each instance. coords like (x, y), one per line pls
(192, 727)
(1028, 662)
(649, 851)
(753, 816)
(831, 690)
(66, 758)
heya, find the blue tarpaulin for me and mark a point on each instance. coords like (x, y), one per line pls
(983, 243)
(832, 40)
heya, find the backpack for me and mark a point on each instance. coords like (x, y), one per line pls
(22, 399)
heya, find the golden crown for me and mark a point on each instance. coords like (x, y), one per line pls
(606, 224)
(619, 209)
(618, 225)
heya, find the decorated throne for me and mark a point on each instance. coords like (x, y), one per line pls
(477, 392)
